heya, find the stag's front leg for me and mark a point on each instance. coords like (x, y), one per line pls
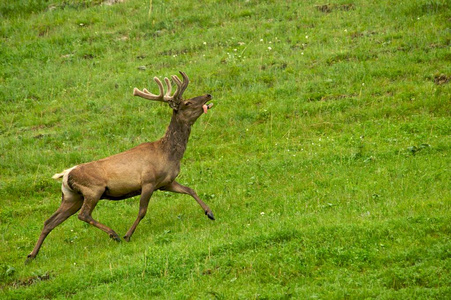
(178, 188)
(146, 193)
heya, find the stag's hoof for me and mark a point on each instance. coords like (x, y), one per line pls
(115, 237)
(210, 215)
(127, 238)
(29, 259)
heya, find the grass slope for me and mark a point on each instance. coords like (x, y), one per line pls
(326, 158)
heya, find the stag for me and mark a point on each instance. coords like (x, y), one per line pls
(139, 171)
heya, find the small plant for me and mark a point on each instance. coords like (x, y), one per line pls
(6, 271)
(415, 149)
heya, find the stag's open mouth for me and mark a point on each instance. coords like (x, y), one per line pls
(206, 107)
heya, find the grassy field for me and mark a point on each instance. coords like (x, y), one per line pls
(325, 159)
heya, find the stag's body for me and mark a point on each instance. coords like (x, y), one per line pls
(138, 171)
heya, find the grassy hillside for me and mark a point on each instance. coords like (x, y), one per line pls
(326, 158)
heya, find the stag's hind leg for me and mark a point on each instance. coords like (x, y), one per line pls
(89, 204)
(70, 204)
(178, 188)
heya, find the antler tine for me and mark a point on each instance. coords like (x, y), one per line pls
(181, 86)
(148, 95)
(160, 86)
(185, 82)
(167, 96)
(178, 83)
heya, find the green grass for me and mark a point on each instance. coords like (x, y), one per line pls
(326, 158)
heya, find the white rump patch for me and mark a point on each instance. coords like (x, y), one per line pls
(65, 174)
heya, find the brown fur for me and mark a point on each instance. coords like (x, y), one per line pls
(138, 171)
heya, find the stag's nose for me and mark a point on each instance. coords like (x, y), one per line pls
(209, 96)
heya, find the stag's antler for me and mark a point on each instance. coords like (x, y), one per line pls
(173, 100)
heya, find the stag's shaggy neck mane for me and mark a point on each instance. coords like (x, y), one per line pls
(176, 138)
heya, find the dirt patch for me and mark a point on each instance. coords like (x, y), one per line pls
(441, 79)
(83, 4)
(328, 8)
(338, 97)
(30, 280)
(112, 2)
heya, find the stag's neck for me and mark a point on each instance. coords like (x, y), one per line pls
(176, 138)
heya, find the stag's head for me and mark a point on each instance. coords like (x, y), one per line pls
(187, 110)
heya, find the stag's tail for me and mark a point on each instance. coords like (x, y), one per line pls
(58, 175)
(61, 175)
